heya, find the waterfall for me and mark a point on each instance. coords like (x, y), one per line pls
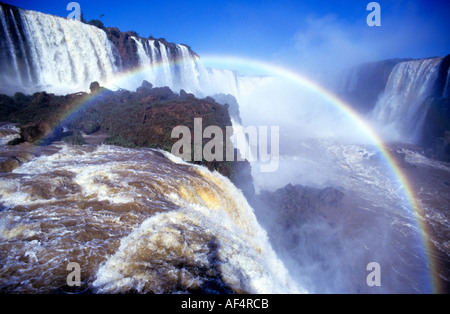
(151, 223)
(165, 63)
(402, 107)
(45, 52)
(10, 66)
(162, 69)
(446, 92)
(179, 68)
(148, 60)
(189, 69)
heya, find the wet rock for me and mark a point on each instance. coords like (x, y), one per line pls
(233, 106)
(16, 141)
(34, 131)
(145, 89)
(23, 157)
(330, 196)
(186, 96)
(296, 203)
(94, 87)
(9, 164)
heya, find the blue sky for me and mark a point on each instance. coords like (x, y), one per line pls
(295, 33)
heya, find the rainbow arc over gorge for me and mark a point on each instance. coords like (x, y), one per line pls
(232, 62)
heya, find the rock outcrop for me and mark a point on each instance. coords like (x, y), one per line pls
(34, 131)
(144, 118)
(127, 57)
(296, 204)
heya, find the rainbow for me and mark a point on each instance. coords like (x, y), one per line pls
(230, 62)
(364, 126)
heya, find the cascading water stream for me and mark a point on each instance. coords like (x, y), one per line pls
(52, 53)
(402, 107)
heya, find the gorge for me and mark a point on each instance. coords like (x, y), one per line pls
(87, 114)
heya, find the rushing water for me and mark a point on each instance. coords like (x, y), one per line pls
(374, 222)
(140, 220)
(406, 98)
(135, 220)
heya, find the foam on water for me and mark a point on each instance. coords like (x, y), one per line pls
(136, 222)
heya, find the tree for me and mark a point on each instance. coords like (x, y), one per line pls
(97, 23)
